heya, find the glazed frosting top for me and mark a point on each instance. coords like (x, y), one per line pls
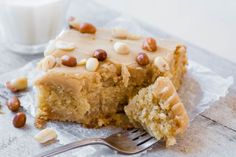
(86, 44)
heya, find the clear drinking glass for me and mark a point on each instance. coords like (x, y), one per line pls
(28, 25)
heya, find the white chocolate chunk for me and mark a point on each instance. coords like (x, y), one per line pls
(121, 48)
(50, 48)
(119, 33)
(92, 64)
(48, 62)
(82, 62)
(45, 135)
(161, 64)
(20, 83)
(67, 46)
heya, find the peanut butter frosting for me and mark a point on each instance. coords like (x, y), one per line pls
(82, 46)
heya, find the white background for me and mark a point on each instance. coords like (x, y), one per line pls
(210, 24)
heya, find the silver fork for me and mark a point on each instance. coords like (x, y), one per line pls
(125, 142)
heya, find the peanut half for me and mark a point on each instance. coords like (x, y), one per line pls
(45, 135)
(18, 84)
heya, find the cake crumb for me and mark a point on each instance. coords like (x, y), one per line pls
(125, 75)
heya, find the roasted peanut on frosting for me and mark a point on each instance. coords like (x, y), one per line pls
(48, 62)
(87, 28)
(69, 61)
(161, 64)
(142, 59)
(17, 84)
(45, 135)
(19, 120)
(100, 54)
(92, 64)
(13, 104)
(121, 48)
(67, 46)
(73, 24)
(149, 44)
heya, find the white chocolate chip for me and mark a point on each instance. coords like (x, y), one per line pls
(67, 46)
(161, 64)
(82, 62)
(45, 135)
(20, 83)
(92, 64)
(50, 48)
(121, 48)
(119, 33)
(48, 62)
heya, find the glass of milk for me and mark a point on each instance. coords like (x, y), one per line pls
(28, 25)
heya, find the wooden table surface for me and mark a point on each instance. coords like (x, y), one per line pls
(213, 133)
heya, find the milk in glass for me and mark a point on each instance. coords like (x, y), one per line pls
(27, 25)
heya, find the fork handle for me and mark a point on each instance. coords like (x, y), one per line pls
(71, 146)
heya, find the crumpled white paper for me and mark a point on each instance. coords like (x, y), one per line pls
(201, 88)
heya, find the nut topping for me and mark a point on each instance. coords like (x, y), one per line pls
(119, 33)
(121, 48)
(161, 64)
(67, 46)
(19, 120)
(92, 64)
(73, 24)
(45, 135)
(149, 44)
(142, 59)
(69, 61)
(17, 84)
(100, 54)
(48, 62)
(13, 104)
(87, 28)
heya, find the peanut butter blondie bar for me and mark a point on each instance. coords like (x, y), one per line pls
(90, 73)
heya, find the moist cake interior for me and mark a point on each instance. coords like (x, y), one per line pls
(159, 111)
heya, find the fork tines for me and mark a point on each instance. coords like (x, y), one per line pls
(141, 137)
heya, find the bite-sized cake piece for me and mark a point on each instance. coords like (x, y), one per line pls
(90, 73)
(159, 110)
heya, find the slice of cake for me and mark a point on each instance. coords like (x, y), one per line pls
(159, 111)
(90, 73)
